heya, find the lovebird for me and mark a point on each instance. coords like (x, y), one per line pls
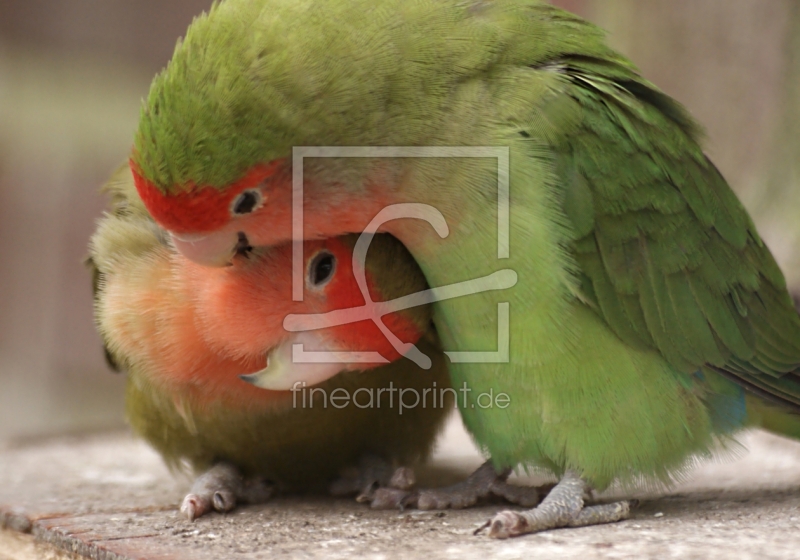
(188, 336)
(608, 281)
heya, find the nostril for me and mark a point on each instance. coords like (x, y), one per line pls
(243, 246)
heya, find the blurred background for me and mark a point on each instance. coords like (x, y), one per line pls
(72, 75)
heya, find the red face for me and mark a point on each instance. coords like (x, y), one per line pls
(209, 225)
(201, 209)
(243, 307)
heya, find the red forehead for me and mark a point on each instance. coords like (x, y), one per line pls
(197, 209)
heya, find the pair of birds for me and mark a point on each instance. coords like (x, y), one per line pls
(648, 322)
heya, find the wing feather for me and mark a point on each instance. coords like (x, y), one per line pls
(668, 255)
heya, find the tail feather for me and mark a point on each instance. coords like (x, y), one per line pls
(776, 419)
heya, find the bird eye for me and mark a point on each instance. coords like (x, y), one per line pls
(321, 269)
(247, 202)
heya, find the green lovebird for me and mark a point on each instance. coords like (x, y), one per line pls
(648, 321)
(187, 335)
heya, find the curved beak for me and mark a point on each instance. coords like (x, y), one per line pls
(287, 367)
(213, 249)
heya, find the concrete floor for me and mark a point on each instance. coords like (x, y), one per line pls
(109, 497)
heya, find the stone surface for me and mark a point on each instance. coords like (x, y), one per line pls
(109, 497)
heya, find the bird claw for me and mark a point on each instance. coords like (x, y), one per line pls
(506, 524)
(194, 506)
(220, 488)
(393, 495)
(393, 498)
(484, 483)
(563, 507)
(375, 480)
(224, 500)
(403, 479)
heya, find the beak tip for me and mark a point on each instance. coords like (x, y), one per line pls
(249, 378)
(207, 250)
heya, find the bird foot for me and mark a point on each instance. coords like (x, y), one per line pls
(220, 488)
(485, 483)
(373, 475)
(563, 507)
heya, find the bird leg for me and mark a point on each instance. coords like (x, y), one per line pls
(563, 507)
(482, 484)
(373, 474)
(220, 488)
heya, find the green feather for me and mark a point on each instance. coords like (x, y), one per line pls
(637, 265)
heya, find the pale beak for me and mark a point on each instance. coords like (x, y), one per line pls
(288, 369)
(213, 249)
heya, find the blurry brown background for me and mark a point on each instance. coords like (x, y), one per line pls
(72, 73)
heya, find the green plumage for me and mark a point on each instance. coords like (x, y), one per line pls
(669, 233)
(304, 448)
(646, 300)
(300, 444)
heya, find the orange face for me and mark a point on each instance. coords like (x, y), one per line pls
(242, 308)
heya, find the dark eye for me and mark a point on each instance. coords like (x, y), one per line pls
(246, 202)
(321, 269)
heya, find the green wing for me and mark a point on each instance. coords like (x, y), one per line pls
(668, 255)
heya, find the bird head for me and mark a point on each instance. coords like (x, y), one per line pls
(248, 308)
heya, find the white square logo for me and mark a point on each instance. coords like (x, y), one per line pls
(500, 280)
